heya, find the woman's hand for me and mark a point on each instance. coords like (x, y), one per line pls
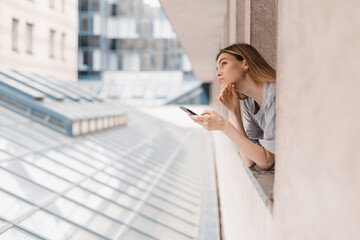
(210, 120)
(229, 98)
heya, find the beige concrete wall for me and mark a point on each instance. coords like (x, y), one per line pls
(43, 19)
(264, 28)
(316, 52)
(243, 213)
(317, 193)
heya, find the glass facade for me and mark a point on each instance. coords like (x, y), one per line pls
(147, 180)
(126, 35)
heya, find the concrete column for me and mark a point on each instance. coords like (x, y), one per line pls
(264, 28)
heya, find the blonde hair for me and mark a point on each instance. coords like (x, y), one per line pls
(259, 70)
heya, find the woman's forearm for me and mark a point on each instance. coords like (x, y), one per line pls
(236, 119)
(246, 147)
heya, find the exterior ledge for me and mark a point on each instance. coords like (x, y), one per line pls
(263, 182)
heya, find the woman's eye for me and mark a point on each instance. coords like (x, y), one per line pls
(223, 63)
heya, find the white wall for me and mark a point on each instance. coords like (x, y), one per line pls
(43, 19)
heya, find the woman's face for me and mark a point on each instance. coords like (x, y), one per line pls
(229, 69)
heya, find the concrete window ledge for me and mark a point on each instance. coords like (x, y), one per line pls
(263, 182)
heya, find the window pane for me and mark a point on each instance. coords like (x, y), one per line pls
(100, 204)
(157, 230)
(96, 5)
(12, 208)
(29, 37)
(53, 227)
(85, 217)
(29, 142)
(168, 206)
(82, 157)
(23, 188)
(112, 44)
(16, 234)
(54, 167)
(84, 23)
(2, 223)
(70, 162)
(131, 235)
(15, 26)
(12, 148)
(4, 155)
(37, 175)
(51, 43)
(110, 193)
(84, 5)
(171, 221)
(84, 41)
(113, 11)
(95, 41)
(63, 38)
(96, 155)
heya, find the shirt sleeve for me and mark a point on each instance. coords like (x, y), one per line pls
(252, 129)
(268, 141)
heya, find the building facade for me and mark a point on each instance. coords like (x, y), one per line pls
(315, 48)
(127, 35)
(39, 36)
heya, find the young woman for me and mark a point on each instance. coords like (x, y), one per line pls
(244, 75)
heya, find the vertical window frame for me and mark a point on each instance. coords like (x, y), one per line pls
(15, 34)
(52, 33)
(29, 38)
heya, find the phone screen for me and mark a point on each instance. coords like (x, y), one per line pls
(187, 110)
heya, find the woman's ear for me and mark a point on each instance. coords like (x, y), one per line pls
(245, 66)
(245, 63)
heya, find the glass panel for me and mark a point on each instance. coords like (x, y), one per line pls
(29, 142)
(171, 221)
(168, 206)
(176, 200)
(82, 157)
(8, 116)
(96, 5)
(128, 178)
(12, 208)
(93, 153)
(132, 234)
(100, 149)
(3, 155)
(100, 204)
(54, 167)
(85, 217)
(179, 191)
(35, 133)
(37, 175)
(110, 193)
(118, 184)
(12, 148)
(23, 188)
(16, 234)
(156, 230)
(2, 223)
(84, 6)
(72, 163)
(53, 135)
(53, 227)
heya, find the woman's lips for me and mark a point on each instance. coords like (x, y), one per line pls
(221, 80)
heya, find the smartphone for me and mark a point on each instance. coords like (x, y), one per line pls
(187, 110)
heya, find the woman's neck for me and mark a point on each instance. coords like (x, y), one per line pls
(251, 89)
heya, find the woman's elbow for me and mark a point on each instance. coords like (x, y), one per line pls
(268, 164)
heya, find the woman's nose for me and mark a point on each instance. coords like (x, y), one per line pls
(218, 73)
